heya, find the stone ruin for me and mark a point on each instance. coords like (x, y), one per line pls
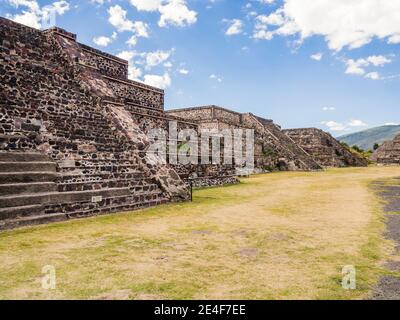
(273, 149)
(388, 153)
(73, 134)
(73, 131)
(325, 149)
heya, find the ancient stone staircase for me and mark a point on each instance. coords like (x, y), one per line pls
(58, 109)
(287, 144)
(30, 194)
(27, 179)
(325, 149)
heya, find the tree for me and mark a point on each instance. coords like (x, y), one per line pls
(376, 146)
(358, 149)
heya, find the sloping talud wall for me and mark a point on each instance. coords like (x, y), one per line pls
(325, 149)
(388, 153)
(273, 150)
(72, 104)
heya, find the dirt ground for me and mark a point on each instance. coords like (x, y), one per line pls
(388, 287)
(274, 236)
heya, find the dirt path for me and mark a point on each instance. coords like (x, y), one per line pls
(275, 236)
(388, 287)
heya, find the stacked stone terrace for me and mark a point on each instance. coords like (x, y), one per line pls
(325, 149)
(388, 153)
(73, 131)
(273, 149)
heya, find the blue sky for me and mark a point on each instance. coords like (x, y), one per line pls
(331, 64)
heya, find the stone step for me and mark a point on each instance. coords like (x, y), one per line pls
(25, 200)
(32, 187)
(130, 168)
(135, 180)
(6, 139)
(26, 177)
(131, 184)
(23, 156)
(19, 212)
(60, 197)
(58, 217)
(118, 208)
(101, 176)
(28, 166)
(106, 201)
(31, 221)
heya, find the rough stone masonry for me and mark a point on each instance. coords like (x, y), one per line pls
(73, 133)
(388, 153)
(72, 137)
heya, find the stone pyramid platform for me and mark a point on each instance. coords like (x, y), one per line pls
(388, 153)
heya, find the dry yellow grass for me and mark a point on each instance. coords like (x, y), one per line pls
(275, 236)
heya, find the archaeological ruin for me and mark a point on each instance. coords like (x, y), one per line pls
(74, 135)
(273, 149)
(73, 131)
(388, 153)
(325, 149)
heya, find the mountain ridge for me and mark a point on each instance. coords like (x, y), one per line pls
(366, 139)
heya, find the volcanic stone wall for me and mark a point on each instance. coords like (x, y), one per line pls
(325, 149)
(388, 153)
(73, 104)
(106, 64)
(273, 149)
(135, 93)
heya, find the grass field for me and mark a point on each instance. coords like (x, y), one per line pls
(274, 236)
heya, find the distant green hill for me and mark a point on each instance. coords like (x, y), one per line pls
(367, 138)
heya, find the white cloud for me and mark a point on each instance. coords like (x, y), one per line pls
(262, 34)
(236, 27)
(157, 57)
(134, 73)
(394, 39)
(146, 5)
(127, 55)
(338, 126)
(30, 4)
(35, 16)
(261, 28)
(266, 1)
(28, 18)
(147, 60)
(373, 76)
(100, 2)
(172, 12)
(358, 67)
(328, 108)
(379, 61)
(161, 82)
(183, 71)
(274, 19)
(102, 41)
(216, 77)
(334, 126)
(176, 13)
(343, 23)
(132, 41)
(317, 56)
(357, 123)
(117, 17)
